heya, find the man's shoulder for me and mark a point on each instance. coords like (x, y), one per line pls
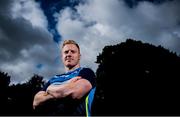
(88, 74)
(87, 69)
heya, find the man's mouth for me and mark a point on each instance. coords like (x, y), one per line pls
(68, 59)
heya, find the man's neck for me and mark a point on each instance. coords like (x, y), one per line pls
(68, 69)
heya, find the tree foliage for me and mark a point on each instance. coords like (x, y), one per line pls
(4, 84)
(135, 78)
(16, 99)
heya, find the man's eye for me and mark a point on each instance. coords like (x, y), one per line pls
(73, 51)
(66, 52)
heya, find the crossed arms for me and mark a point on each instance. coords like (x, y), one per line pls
(76, 88)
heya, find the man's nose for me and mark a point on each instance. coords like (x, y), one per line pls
(69, 53)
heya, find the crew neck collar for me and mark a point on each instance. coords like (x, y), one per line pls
(73, 70)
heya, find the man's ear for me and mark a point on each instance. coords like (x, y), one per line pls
(79, 56)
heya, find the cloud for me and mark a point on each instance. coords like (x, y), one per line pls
(26, 46)
(112, 21)
(30, 11)
(25, 41)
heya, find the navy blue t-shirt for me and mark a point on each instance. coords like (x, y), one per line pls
(69, 106)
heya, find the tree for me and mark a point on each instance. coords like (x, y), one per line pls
(22, 96)
(36, 83)
(4, 83)
(139, 78)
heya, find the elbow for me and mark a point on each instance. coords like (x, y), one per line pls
(35, 102)
(34, 105)
(76, 96)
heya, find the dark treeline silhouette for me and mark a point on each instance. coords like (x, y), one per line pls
(17, 99)
(4, 85)
(135, 78)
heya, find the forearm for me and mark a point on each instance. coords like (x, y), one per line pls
(63, 90)
(41, 97)
(60, 91)
(75, 89)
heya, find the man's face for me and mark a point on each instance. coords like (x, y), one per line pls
(70, 55)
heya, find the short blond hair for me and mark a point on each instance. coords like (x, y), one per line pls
(70, 42)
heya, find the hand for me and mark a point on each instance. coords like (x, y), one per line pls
(41, 97)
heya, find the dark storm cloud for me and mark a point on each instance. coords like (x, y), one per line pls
(25, 41)
(18, 34)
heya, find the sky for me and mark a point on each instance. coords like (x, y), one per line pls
(31, 31)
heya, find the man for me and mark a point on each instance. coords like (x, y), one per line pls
(70, 93)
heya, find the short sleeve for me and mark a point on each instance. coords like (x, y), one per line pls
(89, 75)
